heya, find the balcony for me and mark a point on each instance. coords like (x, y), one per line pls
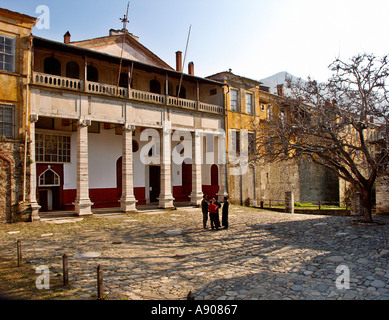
(59, 82)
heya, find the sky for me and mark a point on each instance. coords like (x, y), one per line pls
(254, 38)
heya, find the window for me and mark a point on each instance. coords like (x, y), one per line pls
(49, 179)
(263, 107)
(213, 92)
(252, 143)
(235, 141)
(7, 54)
(52, 148)
(269, 112)
(234, 100)
(282, 116)
(7, 121)
(249, 103)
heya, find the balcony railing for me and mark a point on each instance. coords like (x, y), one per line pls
(57, 81)
(147, 96)
(183, 103)
(107, 89)
(132, 94)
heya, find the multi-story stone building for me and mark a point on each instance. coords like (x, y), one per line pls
(249, 104)
(15, 57)
(105, 129)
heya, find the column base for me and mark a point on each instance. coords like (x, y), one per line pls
(196, 198)
(83, 207)
(128, 205)
(166, 202)
(35, 207)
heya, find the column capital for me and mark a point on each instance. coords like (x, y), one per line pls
(34, 118)
(84, 122)
(129, 127)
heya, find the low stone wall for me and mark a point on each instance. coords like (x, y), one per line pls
(324, 212)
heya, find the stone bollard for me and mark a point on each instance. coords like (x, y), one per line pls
(356, 205)
(289, 202)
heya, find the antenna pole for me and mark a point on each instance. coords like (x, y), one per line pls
(183, 64)
(125, 21)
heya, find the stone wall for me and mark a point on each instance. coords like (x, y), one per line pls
(11, 182)
(382, 192)
(308, 182)
(318, 184)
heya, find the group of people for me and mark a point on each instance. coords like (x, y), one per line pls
(213, 209)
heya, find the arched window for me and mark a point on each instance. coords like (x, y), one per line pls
(49, 178)
(52, 66)
(182, 92)
(72, 70)
(155, 86)
(92, 74)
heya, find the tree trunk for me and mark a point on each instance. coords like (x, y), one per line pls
(366, 203)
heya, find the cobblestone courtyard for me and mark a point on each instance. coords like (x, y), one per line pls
(160, 255)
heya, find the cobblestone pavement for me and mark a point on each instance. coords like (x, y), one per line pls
(164, 255)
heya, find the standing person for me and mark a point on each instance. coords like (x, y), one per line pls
(225, 213)
(204, 208)
(218, 207)
(212, 208)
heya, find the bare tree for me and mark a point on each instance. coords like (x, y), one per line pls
(341, 124)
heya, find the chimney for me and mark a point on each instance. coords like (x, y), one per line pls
(66, 37)
(280, 90)
(179, 61)
(191, 68)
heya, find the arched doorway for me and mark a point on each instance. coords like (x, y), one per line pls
(52, 66)
(214, 175)
(155, 86)
(49, 183)
(72, 70)
(119, 176)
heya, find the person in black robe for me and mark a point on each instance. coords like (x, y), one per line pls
(204, 208)
(225, 213)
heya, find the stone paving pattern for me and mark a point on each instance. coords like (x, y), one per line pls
(163, 255)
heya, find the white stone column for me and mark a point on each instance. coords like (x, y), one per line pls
(83, 205)
(197, 183)
(166, 197)
(128, 201)
(33, 180)
(222, 165)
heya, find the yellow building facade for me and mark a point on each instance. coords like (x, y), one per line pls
(15, 62)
